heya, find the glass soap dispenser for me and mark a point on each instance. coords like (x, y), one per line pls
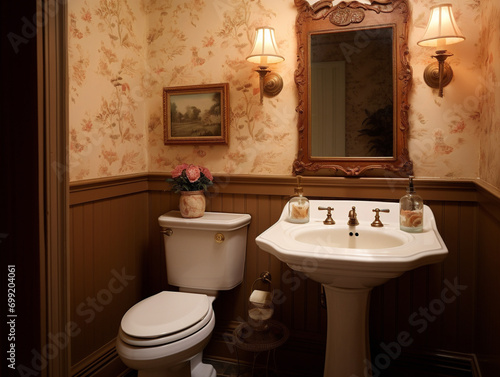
(411, 210)
(298, 205)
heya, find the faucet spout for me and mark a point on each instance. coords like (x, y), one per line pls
(353, 217)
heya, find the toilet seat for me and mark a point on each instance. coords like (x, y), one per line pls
(160, 341)
(164, 318)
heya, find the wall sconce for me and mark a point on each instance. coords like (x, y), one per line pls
(265, 52)
(441, 30)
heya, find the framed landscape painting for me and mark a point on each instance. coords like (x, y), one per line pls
(196, 114)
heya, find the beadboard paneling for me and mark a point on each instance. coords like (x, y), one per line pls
(114, 225)
(109, 247)
(488, 283)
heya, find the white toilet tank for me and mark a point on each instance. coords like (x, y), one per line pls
(206, 253)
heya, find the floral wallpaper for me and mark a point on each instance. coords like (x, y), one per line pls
(444, 133)
(123, 52)
(488, 93)
(205, 42)
(106, 57)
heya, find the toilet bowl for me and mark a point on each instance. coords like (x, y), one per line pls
(164, 335)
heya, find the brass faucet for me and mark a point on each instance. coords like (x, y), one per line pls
(353, 217)
(328, 220)
(377, 223)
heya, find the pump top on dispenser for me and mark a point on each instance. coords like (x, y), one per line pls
(411, 210)
(298, 205)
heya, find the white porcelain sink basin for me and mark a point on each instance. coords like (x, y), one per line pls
(346, 237)
(330, 255)
(349, 261)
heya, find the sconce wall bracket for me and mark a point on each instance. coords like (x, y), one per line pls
(271, 83)
(437, 75)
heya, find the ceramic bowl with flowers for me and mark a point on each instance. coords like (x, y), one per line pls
(191, 181)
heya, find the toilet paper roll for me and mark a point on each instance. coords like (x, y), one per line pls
(259, 297)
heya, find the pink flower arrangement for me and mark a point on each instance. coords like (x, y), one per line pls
(188, 177)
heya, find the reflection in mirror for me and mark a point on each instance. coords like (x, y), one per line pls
(352, 93)
(353, 78)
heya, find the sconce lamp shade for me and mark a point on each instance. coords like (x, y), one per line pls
(265, 50)
(442, 28)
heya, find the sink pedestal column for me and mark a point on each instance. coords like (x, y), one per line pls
(347, 346)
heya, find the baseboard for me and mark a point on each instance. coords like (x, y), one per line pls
(432, 362)
(104, 362)
(476, 372)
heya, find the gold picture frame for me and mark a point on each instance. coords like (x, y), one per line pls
(196, 114)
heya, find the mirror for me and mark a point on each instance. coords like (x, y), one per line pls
(353, 79)
(343, 82)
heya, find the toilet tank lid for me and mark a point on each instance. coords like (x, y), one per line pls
(209, 221)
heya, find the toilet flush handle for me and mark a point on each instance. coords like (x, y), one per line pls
(167, 231)
(219, 238)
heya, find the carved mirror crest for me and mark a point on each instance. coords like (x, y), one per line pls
(353, 79)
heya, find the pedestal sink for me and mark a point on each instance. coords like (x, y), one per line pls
(349, 261)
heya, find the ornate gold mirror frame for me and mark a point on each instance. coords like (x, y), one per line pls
(323, 17)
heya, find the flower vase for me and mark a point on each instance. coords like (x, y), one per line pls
(192, 204)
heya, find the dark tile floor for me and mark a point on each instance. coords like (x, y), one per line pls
(227, 369)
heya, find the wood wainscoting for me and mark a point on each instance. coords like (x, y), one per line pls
(109, 259)
(115, 239)
(488, 281)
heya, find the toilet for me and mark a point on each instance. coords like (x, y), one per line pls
(164, 335)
